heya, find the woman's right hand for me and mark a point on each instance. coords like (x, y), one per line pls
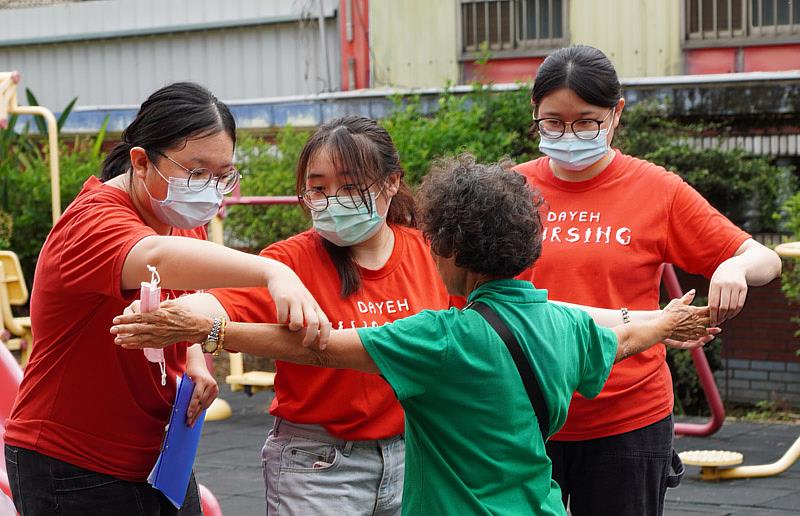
(297, 307)
(170, 324)
(688, 325)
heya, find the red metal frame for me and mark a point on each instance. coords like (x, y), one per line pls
(670, 280)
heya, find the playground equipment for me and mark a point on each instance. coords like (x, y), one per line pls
(209, 502)
(715, 464)
(707, 382)
(9, 105)
(12, 285)
(14, 292)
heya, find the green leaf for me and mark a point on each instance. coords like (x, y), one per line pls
(41, 125)
(101, 135)
(62, 118)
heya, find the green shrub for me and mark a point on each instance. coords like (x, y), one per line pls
(6, 226)
(790, 277)
(27, 196)
(267, 169)
(488, 124)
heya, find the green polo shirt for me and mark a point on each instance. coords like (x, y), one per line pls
(473, 444)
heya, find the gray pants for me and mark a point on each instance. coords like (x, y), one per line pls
(307, 471)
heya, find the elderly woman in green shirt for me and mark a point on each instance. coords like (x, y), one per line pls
(473, 444)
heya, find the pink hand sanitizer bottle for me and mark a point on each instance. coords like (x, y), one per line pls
(150, 299)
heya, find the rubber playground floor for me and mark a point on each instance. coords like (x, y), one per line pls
(229, 464)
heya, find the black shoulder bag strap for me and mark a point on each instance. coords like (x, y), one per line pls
(523, 366)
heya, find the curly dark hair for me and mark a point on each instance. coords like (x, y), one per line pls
(486, 216)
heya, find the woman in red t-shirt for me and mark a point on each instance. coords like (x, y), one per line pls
(611, 221)
(337, 445)
(87, 424)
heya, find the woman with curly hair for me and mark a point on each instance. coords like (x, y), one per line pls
(472, 444)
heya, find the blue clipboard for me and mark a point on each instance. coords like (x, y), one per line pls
(173, 468)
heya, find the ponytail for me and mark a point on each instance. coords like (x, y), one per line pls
(117, 162)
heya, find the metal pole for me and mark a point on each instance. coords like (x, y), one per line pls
(8, 96)
(323, 47)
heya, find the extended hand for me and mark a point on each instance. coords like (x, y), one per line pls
(690, 324)
(160, 328)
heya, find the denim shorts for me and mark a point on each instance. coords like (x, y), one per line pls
(620, 475)
(44, 486)
(308, 471)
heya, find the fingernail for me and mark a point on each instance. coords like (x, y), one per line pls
(116, 320)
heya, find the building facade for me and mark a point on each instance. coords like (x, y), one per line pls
(116, 52)
(506, 40)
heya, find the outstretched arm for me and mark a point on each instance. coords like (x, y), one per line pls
(173, 322)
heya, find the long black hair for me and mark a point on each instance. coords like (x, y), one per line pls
(168, 118)
(360, 147)
(583, 69)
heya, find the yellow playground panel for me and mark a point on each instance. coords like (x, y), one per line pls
(14, 292)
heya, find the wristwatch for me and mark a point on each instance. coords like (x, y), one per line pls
(211, 344)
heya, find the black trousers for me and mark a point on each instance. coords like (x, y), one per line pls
(44, 486)
(621, 475)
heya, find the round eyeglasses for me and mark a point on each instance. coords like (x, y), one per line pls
(200, 178)
(583, 129)
(348, 196)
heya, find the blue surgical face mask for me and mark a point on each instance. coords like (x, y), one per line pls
(348, 226)
(183, 208)
(571, 153)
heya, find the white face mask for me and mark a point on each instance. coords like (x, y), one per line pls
(572, 153)
(183, 208)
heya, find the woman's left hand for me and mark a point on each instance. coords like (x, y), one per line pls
(205, 387)
(727, 292)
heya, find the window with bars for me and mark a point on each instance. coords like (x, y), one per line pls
(709, 20)
(512, 26)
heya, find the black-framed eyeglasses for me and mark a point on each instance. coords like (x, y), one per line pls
(200, 178)
(583, 129)
(348, 196)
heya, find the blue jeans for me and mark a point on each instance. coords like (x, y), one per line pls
(308, 471)
(621, 475)
(44, 486)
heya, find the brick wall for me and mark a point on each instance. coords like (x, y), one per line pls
(759, 347)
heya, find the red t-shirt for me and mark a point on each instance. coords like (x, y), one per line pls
(349, 404)
(83, 399)
(604, 243)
